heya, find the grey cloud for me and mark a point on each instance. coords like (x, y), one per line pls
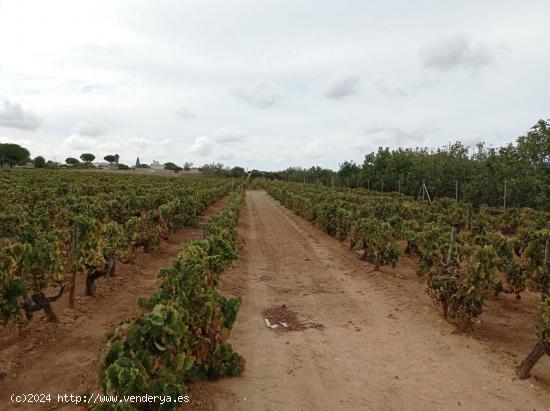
(185, 113)
(92, 128)
(261, 94)
(12, 115)
(456, 52)
(224, 135)
(340, 85)
(398, 135)
(390, 91)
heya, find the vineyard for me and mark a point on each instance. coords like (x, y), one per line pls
(465, 256)
(63, 235)
(59, 231)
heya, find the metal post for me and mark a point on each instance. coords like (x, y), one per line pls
(451, 243)
(423, 190)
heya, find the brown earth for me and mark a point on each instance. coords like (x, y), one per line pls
(376, 340)
(64, 357)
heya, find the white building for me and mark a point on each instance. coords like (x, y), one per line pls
(155, 165)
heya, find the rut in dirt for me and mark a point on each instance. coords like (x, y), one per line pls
(368, 350)
(64, 357)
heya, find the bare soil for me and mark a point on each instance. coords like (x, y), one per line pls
(65, 357)
(379, 342)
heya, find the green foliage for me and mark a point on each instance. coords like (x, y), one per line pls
(461, 288)
(87, 157)
(181, 335)
(480, 171)
(113, 214)
(39, 162)
(172, 166)
(13, 154)
(110, 159)
(237, 172)
(377, 239)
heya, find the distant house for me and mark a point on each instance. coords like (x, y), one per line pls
(155, 165)
(102, 165)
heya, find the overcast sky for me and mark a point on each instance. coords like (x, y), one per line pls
(268, 84)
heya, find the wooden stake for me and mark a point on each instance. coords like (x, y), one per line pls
(74, 252)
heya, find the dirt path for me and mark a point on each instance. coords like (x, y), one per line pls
(64, 357)
(380, 348)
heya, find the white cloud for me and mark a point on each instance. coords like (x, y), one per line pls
(77, 142)
(261, 94)
(340, 85)
(202, 146)
(185, 113)
(91, 128)
(256, 89)
(12, 115)
(140, 141)
(456, 52)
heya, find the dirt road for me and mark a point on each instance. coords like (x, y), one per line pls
(367, 343)
(64, 357)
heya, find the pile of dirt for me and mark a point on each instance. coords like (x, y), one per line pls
(281, 315)
(287, 318)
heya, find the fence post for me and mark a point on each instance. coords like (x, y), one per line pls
(451, 243)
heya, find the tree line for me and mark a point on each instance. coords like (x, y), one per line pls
(14, 155)
(479, 174)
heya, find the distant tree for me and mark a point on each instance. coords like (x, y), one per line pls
(72, 161)
(117, 158)
(144, 165)
(13, 154)
(138, 164)
(87, 157)
(39, 162)
(172, 166)
(122, 166)
(237, 172)
(213, 170)
(110, 159)
(50, 164)
(187, 166)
